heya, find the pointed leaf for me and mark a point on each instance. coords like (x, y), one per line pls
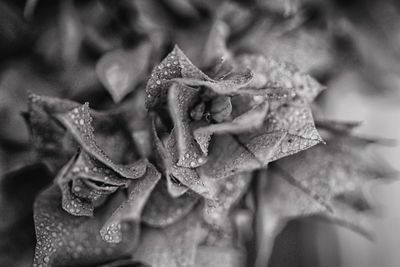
(296, 119)
(66, 240)
(175, 65)
(314, 181)
(121, 70)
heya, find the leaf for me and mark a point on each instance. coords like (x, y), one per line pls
(338, 127)
(91, 176)
(78, 122)
(48, 136)
(79, 189)
(229, 192)
(162, 209)
(121, 70)
(184, 8)
(296, 119)
(18, 190)
(216, 256)
(124, 263)
(174, 245)
(56, 145)
(286, 7)
(175, 65)
(130, 210)
(180, 98)
(271, 130)
(309, 48)
(167, 156)
(215, 48)
(281, 77)
(70, 30)
(137, 122)
(312, 183)
(229, 155)
(221, 108)
(347, 162)
(188, 178)
(66, 240)
(246, 122)
(235, 83)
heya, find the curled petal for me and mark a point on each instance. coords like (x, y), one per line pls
(129, 211)
(78, 122)
(168, 157)
(175, 65)
(246, 122)
(180, 98)
(227, 86)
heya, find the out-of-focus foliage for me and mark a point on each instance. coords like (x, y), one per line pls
(200, 142)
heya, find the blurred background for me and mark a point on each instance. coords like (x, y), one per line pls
(351, 46)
